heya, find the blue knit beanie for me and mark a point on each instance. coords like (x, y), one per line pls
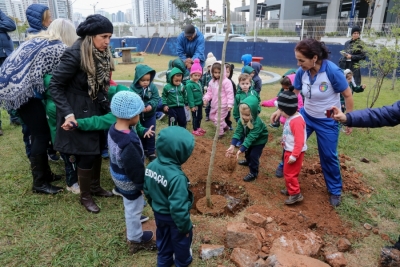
(126, 105)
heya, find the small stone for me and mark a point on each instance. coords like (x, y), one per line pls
(269, 220)
(375, 231)
(300, 219)
(262, 255)
(206, 239)
(385, 237)
(255, 219)
(265, 249)
(365, 160)
(343, 245)
(367, 226)
(336, 259)
(208, 251)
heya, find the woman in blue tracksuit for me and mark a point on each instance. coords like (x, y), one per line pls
(322, 82)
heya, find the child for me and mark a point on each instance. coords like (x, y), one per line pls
(294, 143)
(206, 78)
(174, 98)
(255, 134)
(127, 166)
(226, 97)
(144, 87)
(195, 97)
(229, 74)
(354, 88)
(246, 60)
(167, 190)
(244, 90)
(286, 83)
(257, 67)
(249, 70)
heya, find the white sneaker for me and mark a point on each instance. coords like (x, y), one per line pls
(74, 189)
(116, 193)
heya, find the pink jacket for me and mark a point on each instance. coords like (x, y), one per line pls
(227, 97)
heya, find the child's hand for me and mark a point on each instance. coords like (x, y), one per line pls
(194, 109)
(338, 115)
(275, 116)
(229, 151)
(149, 132)
(363, 86)
(291, 160)
(238, 153)
(166, 108)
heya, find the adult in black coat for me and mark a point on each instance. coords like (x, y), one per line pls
(79, 88)
(352, 54)
(370, 117)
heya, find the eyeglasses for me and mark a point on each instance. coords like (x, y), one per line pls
(308, 94)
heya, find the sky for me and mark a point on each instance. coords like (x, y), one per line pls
(85, 7)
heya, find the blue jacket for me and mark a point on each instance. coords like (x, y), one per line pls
(6, 43)
(34, 15)
(375, 117)
(191, 49)
(257, 80)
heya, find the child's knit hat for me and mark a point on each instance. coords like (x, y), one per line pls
(196, 67)
(347, 71)
(210, 60)
(126, 105)
(288, 102)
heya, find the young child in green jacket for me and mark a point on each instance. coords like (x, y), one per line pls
(166, 188)
(195, 97)
(174, 98)
(354, 88)
(255, 134)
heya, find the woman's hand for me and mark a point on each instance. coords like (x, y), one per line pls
(275, 116)
(229, 151)
(149, 132)
(70, 124)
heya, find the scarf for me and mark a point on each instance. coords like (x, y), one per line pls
(101, 77)
(21, 75)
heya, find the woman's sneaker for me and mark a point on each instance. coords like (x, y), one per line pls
(146, 242)
(293, 199)
(74, 189)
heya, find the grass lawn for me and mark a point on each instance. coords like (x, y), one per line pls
(41, 230)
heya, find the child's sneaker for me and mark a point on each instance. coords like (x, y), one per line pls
(197, 133)
(249, 177)
(74, 189)
(207, 118)
(201, 130)
(146, 242)
(284, 192)
(279, 171)
(275, 124)
(116, 193)
(294, 199)
(104, 154)
(143, 219)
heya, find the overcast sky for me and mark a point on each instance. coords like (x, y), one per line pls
(85, 7)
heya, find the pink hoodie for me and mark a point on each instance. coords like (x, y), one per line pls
(227, 97)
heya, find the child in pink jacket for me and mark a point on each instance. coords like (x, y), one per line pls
(286, 82)
(227, 97)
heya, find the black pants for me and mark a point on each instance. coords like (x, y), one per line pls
(177, 117)
(197, 116)
(33, 114)
(252, 156)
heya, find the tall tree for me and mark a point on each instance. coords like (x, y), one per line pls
(189, 7)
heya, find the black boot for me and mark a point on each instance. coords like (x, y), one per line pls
(40, 180)
(95, 188)
(85, 178)
(50, 176)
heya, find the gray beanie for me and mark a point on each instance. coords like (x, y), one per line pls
(288, 102)
(126, 105)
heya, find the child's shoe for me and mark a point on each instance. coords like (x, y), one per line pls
(143, 219)
(279, 171)
(146, 243)
(230, 128)
(207, 118)
(197, 133)
(249, 177)
(294, 199)
(275, 124)
(104, 154)
(226, 128)
(284, 192)
(116, 193)
(74, 189)
(243, 162)
(201, 130)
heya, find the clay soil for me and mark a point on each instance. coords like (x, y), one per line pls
(264, 197)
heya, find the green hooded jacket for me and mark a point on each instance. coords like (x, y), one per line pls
(172, 95)
(149, 95)
(248, 70)
(178, 63)
(239, 97)
(194, 93)
(165, 184)
(93, 123)
(256, 136)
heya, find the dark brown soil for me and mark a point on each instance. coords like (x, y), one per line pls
(264, 197)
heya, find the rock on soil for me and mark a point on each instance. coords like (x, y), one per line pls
(209, 251)
(240, 235)
(390, 257)
(299, 243)
(343, 245)
(336, 259)
(243, 257)
(282, 258)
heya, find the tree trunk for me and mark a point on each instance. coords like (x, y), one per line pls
(215, 141)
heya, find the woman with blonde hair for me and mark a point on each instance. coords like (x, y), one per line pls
(38, 17)
(79, 87)
(22, 88)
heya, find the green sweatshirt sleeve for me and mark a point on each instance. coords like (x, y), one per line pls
(236, 114)
(96, 123)
(358, 89)
(140, 130)
(180, 205)
(253, 133)
(190, 96)
(239, 131)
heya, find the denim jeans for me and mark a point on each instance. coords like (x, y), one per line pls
(133, 211)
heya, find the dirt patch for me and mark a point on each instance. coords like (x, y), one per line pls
(314, 212)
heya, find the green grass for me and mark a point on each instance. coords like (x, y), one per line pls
(41, 230)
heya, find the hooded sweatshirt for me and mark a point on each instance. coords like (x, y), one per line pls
(165, 184)
(227, 98)
(194, 92)
(6, 43)
(174, 95)
(149, 95)
(239, 97)
(256, 136)
(246, 59)
(178, 63)
(34, 15)
(257, 80)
